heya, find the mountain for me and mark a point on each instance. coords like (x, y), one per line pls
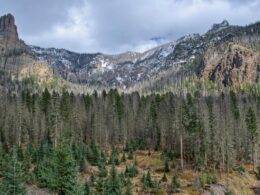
(16, 58)
(225, 54)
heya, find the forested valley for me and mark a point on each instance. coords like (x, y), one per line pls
(51, 139)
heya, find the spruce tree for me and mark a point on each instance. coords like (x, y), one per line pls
(123, 159)
(13, 180)
(128, 187)
(164, 178)
(175, 183)
(166, 166)
(252, 130)
(113, 185)
(65, 181)
(102, 169)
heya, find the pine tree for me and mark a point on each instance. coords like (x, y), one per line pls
(252, 129)
(130, 154)
(113, 185)
(100, 186)
(164, 178)
(93, 154)
(102, 169)
(128, 187)
(45, 103)
(175, 183)
(65, 172)
(114, 157)
(13, 180)
(132, 171)
(123, 159)
(147, 181)
(87, 188)
(58, 172)
(166, 166)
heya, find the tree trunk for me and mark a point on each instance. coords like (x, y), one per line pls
(181, 153)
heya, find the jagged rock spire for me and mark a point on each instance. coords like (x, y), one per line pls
(7, 22)
(8, 32)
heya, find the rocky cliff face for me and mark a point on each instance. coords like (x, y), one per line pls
(231, 64)
(16, 58)
(9, 39)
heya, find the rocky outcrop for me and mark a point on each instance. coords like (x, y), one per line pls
(8, 33)
(220, 26)
(15, 56)
(231, 64)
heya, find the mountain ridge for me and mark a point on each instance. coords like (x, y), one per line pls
(127, 69)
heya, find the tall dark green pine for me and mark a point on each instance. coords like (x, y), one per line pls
(251, 123)
(45, 101)
(128, 187)
(113, 185)
(65, 105)
(65, 180)
(155, 128)
(87, 188)
(166, 166)
(13, 180)
(175, 182)
(114, 157)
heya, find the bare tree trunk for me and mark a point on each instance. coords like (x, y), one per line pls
(254, 156)
(181, 152)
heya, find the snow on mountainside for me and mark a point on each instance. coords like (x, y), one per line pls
(110, 70)
(226, 54)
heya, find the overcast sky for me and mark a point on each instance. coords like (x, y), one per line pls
(113, 26)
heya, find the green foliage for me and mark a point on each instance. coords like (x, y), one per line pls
(207, 178)
(164, 178)
(88, 101)
(258, 173)
(234, 104)
(13, 180)
(166, 168)
(79, 151)
(252, 124)
(123, 159)
(173, 165)
(119, 105)
(132, 171)
(102, 169)
(45, 102)
(147, 181)
(113, 185)
(175, 183)
(114, 157)
(65, 104)
(154, 124)
(88, 188)
(191, 121)
(168, 154)
(59, 172)
(93, 154)
(128, 190)
(130, 155)
(239, 169)
(133, 145)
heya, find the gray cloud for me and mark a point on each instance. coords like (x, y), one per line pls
(119, 25)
